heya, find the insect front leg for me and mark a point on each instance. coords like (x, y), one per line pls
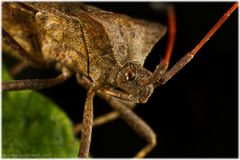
(84, 81)
(86, 133)
(126, 113)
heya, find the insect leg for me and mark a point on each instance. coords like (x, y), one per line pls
(99, 121)
(183, 61)
(135, 122)
(15, 70)
(84, 81)
(86, 133)
(126, 113)
(16, 85)
(108, 117)
(104, 118)
(10, 42)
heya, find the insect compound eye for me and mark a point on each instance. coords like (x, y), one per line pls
(130, 75)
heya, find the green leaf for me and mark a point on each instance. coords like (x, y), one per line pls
(5, 75)
(33, 126)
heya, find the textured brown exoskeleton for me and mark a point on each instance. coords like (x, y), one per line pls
(105, 50)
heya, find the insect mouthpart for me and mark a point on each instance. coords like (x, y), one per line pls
(146, 93)
(129, 80)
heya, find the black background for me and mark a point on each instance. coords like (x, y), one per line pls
(196, 113)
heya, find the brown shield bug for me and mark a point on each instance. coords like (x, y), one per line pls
(127, 80)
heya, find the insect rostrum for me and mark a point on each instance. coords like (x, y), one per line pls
(106, 51)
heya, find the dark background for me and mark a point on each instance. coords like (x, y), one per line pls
(196, 113)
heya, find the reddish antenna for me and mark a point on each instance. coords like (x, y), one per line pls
(184, 60)
(214, 28)
(171, 34)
